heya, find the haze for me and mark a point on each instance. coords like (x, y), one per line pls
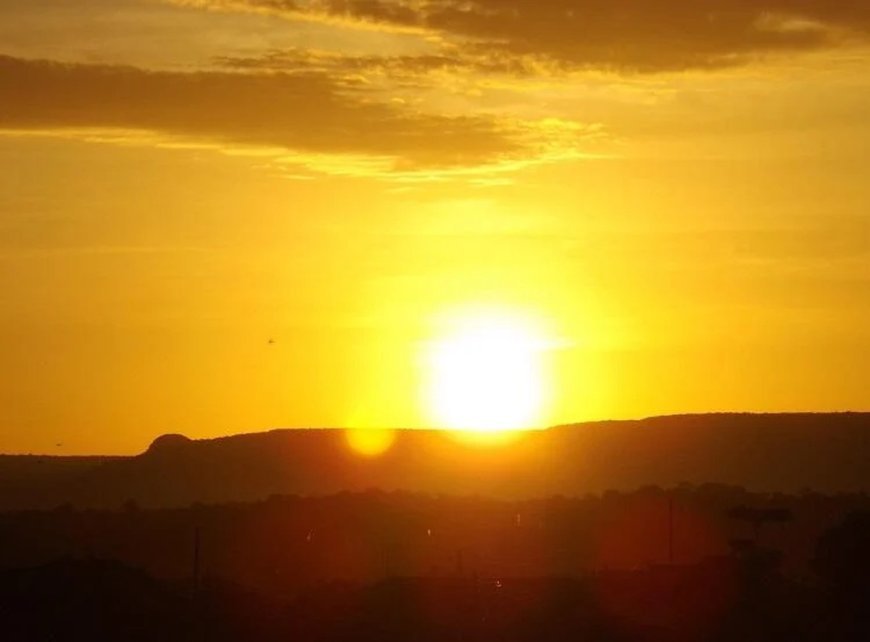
(220, 216)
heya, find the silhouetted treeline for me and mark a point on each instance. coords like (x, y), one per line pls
(742, 597)
(287, 543)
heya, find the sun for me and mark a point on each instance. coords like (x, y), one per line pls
(486, 375)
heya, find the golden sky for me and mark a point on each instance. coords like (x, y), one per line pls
(674, 194)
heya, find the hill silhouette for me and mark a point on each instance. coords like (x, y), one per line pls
(774, 452)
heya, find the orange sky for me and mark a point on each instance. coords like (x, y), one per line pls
(674, 193)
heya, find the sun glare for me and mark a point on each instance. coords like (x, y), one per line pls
(370, 442)
(486, 376)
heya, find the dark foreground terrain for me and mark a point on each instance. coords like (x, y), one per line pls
(690, 563)
(98, 600)
(561, 535)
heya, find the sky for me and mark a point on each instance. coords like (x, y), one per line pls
(224, 216)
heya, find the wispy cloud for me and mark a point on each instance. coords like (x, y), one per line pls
(313, 114)
(302, 112)
(624, 35)
(409, 69)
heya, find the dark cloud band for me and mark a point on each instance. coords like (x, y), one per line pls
(628, 35)
(306, 112)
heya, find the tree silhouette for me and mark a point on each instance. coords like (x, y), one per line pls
(758, 517)
(842, 557)
(842, 561)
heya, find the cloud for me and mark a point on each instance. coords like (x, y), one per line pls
(457, 67)
(625, 35)
(305, 113)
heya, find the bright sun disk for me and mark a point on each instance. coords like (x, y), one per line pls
(486, 376)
